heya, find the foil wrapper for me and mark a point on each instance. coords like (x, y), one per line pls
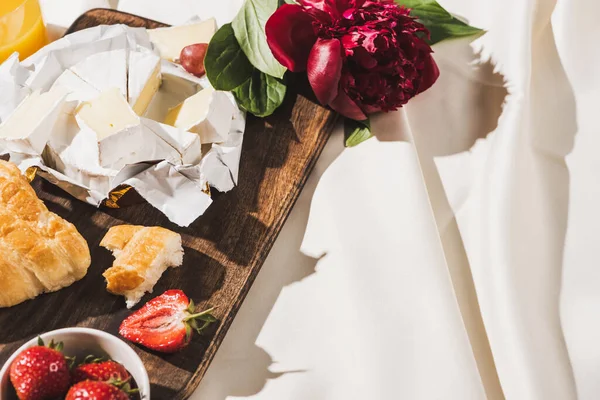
(176, 174)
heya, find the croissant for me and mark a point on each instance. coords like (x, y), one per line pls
(39, 251)
(142, 254)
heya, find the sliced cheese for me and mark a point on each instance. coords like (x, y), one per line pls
(104, 70)
(208, 113)
(170, 41)
(107, 114)
(187, 144)
(78, 89)
(143, 79)
(176, 86)
(29, 127)
(120, 137)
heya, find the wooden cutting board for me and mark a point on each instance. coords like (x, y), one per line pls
(224, 249)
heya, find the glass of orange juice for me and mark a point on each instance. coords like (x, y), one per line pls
(21, 28)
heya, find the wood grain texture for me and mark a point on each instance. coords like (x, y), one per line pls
(224, 249)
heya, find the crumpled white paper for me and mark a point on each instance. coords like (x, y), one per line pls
(172, 174)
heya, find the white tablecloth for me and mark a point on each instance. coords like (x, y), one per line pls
(460, 262)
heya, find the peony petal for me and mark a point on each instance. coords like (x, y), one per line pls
(327, 6)
(318, 4)
(324, 69)
(430, 74)
(348, 108)
(364, 59)
(291, 36)
(323, 17)
(335, 8)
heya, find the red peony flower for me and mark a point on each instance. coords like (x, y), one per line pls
(361, 56)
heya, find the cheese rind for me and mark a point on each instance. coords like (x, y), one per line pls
(187, 144)
(143, 79)
(208, 113)
(105, 70)
(170, 41)
(78, 89)
(29, 127)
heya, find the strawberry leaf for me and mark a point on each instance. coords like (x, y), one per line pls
(188, 331)
(191, 321)
(70, 362)
(92, 359)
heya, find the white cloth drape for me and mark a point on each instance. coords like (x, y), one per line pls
(459, 262)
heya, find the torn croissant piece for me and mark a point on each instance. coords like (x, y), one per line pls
(142, 254)
(40, 251)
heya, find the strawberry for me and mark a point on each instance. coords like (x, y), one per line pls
(99, 370)
(165, 323)
(95, 390)
(40, 372)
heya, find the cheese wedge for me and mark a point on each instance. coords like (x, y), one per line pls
(187, 144)
(143, 79)
(113, 135)
(208, 113)
(107, 114)
(176, 86)
(29, 127)
(104, 70)
(170, 41)
(78, 89)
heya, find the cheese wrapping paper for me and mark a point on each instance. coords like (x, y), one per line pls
(68, 119)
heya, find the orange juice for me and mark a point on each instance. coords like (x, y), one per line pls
(21, 28)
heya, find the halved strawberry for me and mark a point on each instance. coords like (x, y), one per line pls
(95, 390)
(100, 370)
(40, 372)
(165, 323)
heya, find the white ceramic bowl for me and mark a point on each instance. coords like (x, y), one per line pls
(80, 342)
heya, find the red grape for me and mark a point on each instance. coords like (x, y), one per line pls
(192, 58)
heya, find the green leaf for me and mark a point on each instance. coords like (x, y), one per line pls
(441, 24)
(260, 95)
(191, 307)
(356, 132)
(249, 28)
(226, 64)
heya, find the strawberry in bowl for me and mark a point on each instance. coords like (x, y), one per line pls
(40, 372)
(98, 369)
(96, 390)
(52, 363)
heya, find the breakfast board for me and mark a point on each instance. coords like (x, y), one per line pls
(224, 249)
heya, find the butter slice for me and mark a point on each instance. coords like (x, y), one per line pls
(78, 89)
(104, 70)
(143, 79)
(208, 113)
(29, 127)
(170, 41)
